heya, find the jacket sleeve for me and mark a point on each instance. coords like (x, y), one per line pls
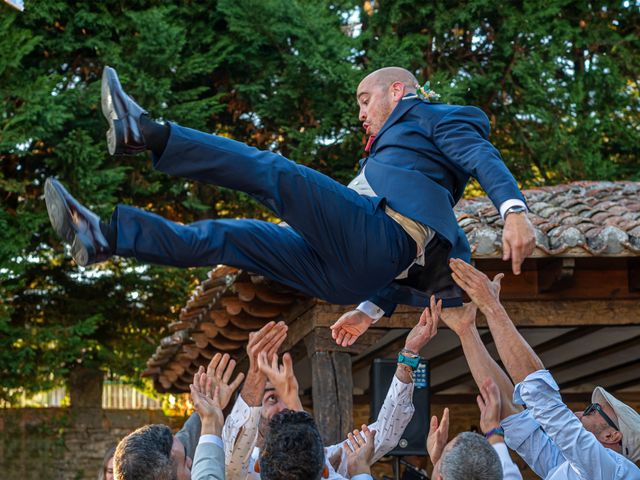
(462, 136)
(190, 433)
(208, 463)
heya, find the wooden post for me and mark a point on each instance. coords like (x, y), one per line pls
(332, 391)
(332, 381)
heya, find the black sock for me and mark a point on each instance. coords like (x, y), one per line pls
(110, 232)
(156, 135)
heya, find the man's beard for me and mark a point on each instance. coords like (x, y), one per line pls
(263, 431)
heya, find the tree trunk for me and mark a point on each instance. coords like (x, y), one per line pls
(85, 387)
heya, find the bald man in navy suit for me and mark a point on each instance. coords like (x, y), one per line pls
(383, 240)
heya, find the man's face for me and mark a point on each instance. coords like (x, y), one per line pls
(271, 402)
(181, 460)
(376, 103)
(595, 423)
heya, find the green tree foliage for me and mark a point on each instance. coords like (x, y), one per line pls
(558, 80)
(250, 70)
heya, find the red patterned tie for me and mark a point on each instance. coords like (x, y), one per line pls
(369, 143)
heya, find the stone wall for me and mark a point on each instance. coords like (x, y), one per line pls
(65, 444)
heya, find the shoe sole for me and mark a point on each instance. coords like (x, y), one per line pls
(60, 215)
(115, 133)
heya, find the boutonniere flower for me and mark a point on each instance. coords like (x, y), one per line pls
(425, 92)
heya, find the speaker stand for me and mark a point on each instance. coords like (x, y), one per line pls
(396, 468)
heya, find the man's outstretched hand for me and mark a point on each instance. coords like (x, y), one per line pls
(349, 327)
(518, 240)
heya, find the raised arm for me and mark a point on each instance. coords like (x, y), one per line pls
(462, 321)
(462, 136)
(516, 354)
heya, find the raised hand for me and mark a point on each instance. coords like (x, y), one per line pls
(426, 328)
(490, 404)
(518, 240)
(206, 401)
(219, 371)
(460, 319)
(359, 451)
(438, 436)
(282, 378)
(268, 339)
(483, 292)
(349, 327)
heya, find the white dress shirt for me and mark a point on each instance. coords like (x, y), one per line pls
(241, 427)
(552, 440)
(510, 470)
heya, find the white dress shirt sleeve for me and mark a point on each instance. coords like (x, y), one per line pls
(239, 435)
(510, 470)
(393, 418)
(371, 309)
(362, 476)
(587, 456)
(507, 204)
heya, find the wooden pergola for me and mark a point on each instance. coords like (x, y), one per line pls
(577, 302)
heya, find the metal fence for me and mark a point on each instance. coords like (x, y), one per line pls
(114, 396)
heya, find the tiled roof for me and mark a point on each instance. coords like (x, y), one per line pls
(577, 219)
(218, 317)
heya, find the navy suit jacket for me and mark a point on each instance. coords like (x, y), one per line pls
(419, 164)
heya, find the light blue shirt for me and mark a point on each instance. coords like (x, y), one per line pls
(552, 440)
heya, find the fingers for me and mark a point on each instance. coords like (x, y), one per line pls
(347, 340)
(358, 439)
(517, 257)
(339, 335)
(213, 364)
(351, 442)
(506, 248)
(236, 383)
(256, 337)
(444, 423)
(263, 363)
(287, 362)
(280, 334)
(336, 327)
(423, 317)
(266, 336)
(220, 369)
(433, 425)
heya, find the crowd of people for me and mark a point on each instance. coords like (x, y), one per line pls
(268, 435)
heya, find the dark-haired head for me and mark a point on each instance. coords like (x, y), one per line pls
(293, 448)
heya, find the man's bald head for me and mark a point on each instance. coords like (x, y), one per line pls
(379, 93)
(387, 76)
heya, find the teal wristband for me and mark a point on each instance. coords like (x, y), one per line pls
(413, 362)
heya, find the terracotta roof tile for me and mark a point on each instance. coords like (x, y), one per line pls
(577, 219)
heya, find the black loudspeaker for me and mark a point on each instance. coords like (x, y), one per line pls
(414, 438)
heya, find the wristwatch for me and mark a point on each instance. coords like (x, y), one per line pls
(515, 209)
(412, 362)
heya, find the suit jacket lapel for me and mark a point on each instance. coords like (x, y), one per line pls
(403, 107)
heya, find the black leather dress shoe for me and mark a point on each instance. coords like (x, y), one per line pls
(76, 225)
(124, 136)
